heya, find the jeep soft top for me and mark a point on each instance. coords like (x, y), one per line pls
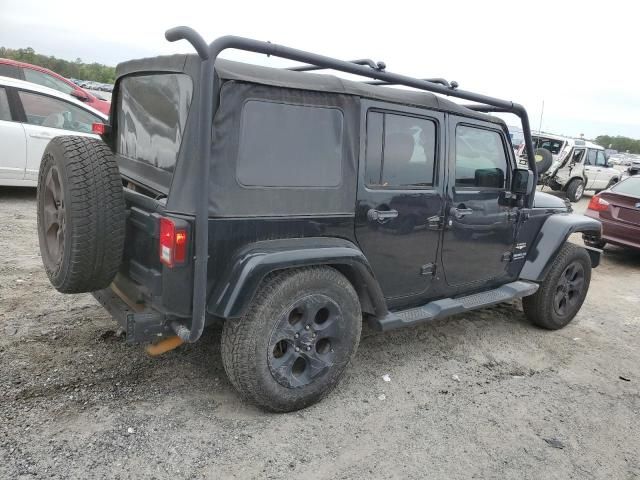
(289, 205)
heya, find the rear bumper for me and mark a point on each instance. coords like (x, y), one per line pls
(140, 323)
(618, 233)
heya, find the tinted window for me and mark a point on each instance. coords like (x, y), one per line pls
(554, 146)
(151, 117)
(284, 145)
(630, 186)
(480, 158)
(55, 113)
(5, 113)
(46, 80)
(601, 161)
(9, 71)
(591, 157)
(400, 150)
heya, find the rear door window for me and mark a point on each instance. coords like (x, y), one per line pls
(45, 111)
(151, 117)
(591, 157)
(401, 150)
(5, 112)
(46, 80)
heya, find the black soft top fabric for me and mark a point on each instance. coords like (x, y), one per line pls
(319, 82)
(241, 82)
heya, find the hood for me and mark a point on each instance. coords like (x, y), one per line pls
(545, 200)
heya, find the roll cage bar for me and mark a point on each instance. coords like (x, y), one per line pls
(209, 88)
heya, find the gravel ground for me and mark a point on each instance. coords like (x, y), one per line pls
(480, 395)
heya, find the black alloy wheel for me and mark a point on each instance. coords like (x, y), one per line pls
(304, 341)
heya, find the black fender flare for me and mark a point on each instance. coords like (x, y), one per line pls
(235, 289)
(554, 233)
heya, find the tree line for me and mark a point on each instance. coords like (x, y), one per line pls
(78, 69)
(621, 144)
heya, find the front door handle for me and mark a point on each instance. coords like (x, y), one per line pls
(381, 215)
(461, 212)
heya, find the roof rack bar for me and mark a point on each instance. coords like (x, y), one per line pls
(208, 95)
(362, 61)
(440, 81)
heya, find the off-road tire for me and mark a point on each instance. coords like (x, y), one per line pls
(90, 214)
(248, 347)
(574, 192)
(540, 308)
(544, 159)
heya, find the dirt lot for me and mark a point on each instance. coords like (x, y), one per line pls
(482, 395)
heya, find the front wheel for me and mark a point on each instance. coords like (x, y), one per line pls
(292, 346)
(563, 291)
(575, 190)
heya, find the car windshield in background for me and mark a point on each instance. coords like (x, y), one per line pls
(630, 186)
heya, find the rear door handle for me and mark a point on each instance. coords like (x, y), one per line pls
(381, 215)
(46, 136)
(461, 212)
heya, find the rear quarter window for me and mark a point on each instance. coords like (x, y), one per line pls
(287, 145)
(151, 117)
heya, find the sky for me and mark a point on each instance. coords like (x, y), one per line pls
(579, 58)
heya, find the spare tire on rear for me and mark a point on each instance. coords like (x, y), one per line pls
(544, 159)
(81, 214)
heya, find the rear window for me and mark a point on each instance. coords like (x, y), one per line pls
(286, 145)
(554, 146)
(151, 116)
(630, 186)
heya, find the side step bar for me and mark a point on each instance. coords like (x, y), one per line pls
(450, 306)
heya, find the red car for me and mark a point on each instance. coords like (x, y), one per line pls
(619, 211)
(47, 78)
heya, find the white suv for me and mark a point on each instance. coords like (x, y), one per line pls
(578, 165)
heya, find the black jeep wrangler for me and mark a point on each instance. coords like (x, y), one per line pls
(290, 206)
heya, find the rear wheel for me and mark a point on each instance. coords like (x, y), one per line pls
(575, 190)
(563, 291)
(300, 332)
(81, 214)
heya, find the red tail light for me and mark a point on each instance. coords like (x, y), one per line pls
(173, 243)
(598, 204)
(99, 128)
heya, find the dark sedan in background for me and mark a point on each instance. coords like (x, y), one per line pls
(618, 208)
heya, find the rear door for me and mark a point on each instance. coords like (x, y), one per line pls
(13, 154)
(399, 205)
(479, 231)
(47, 117)
(590, 169)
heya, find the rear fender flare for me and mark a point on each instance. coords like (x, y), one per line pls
(554, 233)
(235, 290)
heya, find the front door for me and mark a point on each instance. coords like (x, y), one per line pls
(399, 205)
(479, 229)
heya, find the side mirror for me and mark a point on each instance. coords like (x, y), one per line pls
(79, 95)
(521, 181)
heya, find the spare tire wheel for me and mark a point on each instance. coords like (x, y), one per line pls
(81, 214)
(544, 159)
